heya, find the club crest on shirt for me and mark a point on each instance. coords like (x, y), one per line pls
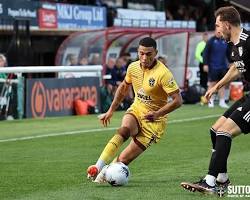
(240, 51)
(171, 82)
(151, 82)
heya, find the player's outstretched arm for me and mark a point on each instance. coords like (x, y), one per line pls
(120, 94)
(175, 103)
(169, 107)
(231, 74)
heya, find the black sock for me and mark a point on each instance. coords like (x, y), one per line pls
(218, 161)
(212, 162)
(213, 137)
(213, 140)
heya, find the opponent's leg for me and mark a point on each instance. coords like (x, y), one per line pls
(222, 176)
(223, 145)
(219, 163)
(214, 129)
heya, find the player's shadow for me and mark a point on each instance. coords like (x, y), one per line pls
(137, 183)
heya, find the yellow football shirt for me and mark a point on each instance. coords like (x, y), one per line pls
(151, 86)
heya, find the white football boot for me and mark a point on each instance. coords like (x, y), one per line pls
(101, 178)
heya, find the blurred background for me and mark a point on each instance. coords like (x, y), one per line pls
(101, 36)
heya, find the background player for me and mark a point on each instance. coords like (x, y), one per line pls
(215, 57)
(199, 49)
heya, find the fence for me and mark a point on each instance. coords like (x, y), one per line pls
(94, 71)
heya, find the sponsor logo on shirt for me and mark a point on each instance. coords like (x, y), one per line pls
(142, 96)
(240, 66)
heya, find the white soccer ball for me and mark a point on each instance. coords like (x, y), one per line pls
(117, 174)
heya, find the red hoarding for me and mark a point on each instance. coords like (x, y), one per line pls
(47, 18)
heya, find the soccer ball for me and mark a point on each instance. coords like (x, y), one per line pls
(117, 174)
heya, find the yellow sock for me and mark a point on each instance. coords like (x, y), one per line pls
(111, 148)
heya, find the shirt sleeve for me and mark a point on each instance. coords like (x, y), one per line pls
(168, 83)
(248, 44)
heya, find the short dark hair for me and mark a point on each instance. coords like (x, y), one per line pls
(148, 42)
(229, 14)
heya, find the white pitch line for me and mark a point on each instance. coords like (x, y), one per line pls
(192, 119)
(57, 134)
(98, 130)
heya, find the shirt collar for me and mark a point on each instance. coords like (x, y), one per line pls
(238, 41)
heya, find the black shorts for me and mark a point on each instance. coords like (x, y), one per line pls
(215, 75)
(239, 112)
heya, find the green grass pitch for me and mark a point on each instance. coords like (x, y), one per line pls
(47, 158)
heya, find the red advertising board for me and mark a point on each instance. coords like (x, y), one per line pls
(47, 18)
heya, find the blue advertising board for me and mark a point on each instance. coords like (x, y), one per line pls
(55, 97)
(75, 16)
(21, 9)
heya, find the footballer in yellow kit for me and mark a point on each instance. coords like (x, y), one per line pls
(145, 120)
(152, 88)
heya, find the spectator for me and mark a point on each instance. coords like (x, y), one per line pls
(3, 63)
(216, 64)
(83, 61)
(7, 110)
(111, 15)
(169, 15)
(118, 75)
(72, 60)
(119, 71)
(202, 24)
(181, 13)
(95, 59)
(127, 59)
(198, 56)
(108, 90)
(110, 71)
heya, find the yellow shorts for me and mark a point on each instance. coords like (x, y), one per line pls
(149, 132)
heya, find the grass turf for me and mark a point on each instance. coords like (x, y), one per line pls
(55, 167)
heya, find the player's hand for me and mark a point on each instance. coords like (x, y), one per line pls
(151, 116)
(105, 118)
(209, 93)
